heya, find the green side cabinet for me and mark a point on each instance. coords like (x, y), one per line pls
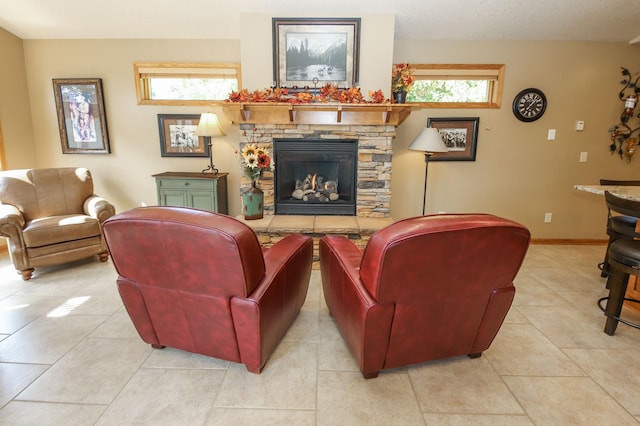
(197, 190)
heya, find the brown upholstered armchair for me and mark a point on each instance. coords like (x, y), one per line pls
(200, 282)
(51, 216)
(424, 288)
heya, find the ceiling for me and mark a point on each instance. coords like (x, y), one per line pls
(580, 20)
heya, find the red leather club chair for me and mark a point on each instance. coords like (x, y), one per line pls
(425, 288)
(199, 281)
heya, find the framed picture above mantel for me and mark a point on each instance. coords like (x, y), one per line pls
(308, 53)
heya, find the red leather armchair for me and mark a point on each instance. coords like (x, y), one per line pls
(425, 288)
(199, 281)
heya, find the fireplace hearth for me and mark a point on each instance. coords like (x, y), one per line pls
(315, 176)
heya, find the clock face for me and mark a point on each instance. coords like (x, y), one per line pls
(529, 105)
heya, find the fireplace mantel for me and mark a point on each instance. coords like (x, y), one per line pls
(318, 113)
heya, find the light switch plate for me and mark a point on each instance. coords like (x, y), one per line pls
(551, 135)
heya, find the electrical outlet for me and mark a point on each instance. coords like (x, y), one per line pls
(547, 217)
(551, 134)
(583, 157)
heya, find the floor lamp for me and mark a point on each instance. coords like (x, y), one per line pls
(428, 141)
(208, 127)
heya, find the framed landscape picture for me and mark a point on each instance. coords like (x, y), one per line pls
(460, 135)
(177, 136)
(81, 117)
(308, 53)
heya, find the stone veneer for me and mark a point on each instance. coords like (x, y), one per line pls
(373, 193)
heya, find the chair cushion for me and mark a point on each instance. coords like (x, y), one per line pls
(58, 229)
(626, 251)
(623, 224)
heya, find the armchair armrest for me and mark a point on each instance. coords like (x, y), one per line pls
(364, 322)
(11, 221)
(99, 208)
(264, 316)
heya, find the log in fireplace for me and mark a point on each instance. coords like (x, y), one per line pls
(315, 176)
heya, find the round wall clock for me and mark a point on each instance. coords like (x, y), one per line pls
(529, 105)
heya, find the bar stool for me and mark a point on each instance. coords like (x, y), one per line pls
(624, 260)
(617, 225)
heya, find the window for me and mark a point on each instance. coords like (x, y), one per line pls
(160, 83)
(457, 86)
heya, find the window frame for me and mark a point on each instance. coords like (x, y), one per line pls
(494, 73)
(145, 70)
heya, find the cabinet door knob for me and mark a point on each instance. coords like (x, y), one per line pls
(186, 184)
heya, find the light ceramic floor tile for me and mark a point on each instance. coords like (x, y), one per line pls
(567, 401)
(92, 373)
(165, 397)
(569, 327)
(18, 311)
(333, 352)
(233, 416)
(175, 358)
(461, 385)
(15, 377)
(476, 420)
(117, 326)
(46, 339)
(39, 413)
(554, 313)
(520, 349)
(289, 380)
(616, 370)
(346, 398)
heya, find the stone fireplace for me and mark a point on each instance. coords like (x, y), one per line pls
(373, 151)
(371, 130)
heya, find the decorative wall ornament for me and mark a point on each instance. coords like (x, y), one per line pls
(622, 140)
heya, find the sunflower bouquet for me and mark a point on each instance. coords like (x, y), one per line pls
(255, 160)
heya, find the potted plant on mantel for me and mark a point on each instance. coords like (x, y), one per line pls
(401, 81)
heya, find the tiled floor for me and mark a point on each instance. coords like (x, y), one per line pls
(69, 355)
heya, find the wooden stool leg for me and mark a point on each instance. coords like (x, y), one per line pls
(617, 285)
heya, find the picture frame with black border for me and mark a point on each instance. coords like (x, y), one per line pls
(177, 136)
(459, 134)
(308, 53)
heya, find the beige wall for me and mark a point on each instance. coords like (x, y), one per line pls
(15, 114)
(518, 173)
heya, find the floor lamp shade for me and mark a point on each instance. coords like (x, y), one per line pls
(428, 141)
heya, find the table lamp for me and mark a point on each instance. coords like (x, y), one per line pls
(208, 127)
(428, 141)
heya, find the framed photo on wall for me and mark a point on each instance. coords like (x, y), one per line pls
(459, 134)
(177, 136)
(308, 53)
(81, 118)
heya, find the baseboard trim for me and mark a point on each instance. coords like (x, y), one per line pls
(574, 242)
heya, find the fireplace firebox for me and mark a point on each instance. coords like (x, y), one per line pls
(315, 176)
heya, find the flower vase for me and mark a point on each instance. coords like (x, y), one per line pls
(253, 202)
(400, 97)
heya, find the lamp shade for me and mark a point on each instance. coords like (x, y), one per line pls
(429, 140)
(209, 125)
